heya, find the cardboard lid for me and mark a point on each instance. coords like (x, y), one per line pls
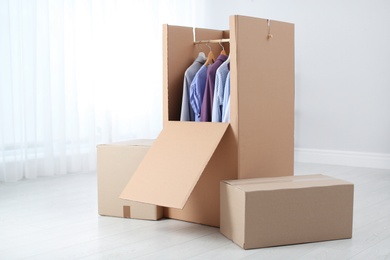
(134, 142)
(173, 165)
(287, 182)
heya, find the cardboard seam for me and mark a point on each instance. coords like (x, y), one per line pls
(237, 93)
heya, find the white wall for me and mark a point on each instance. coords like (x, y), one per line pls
(342, 69)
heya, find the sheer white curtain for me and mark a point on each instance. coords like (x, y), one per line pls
(76, 73)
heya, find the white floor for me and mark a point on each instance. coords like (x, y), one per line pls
(56, 218)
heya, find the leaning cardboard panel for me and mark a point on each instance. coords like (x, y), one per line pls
(259, 140)
(116, 163)
(264, 212)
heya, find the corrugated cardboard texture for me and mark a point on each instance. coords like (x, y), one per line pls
(280, 212)
(262, 96)
(116, 164)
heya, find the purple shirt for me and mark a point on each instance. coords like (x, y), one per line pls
(207, 104)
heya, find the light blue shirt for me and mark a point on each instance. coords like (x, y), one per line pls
(187, 114)
(220, 80)
(226, 115)
(197, 88)
(226, 100)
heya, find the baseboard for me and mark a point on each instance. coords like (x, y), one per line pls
(356, 159)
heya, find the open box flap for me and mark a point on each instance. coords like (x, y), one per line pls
(173, 165)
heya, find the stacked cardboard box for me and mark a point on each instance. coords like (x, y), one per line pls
(286, 210)
(116, 163)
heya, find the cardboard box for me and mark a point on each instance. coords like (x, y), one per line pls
(266, 212)
(116, 163)
(186, 163)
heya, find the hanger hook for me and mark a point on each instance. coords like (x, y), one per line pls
(207, 44)
(200, 45)
(220, 44)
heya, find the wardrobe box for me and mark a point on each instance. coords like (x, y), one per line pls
(266, 212)
(186, 163)
(116, 163)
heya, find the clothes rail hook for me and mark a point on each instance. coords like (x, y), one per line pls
(269, 35)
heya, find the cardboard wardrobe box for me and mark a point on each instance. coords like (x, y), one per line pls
(264, 212)
(186, 163)
(116, 163)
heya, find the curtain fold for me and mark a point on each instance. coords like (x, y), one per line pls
(74, 74)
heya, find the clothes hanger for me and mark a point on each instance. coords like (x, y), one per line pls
(210, 57)
(223, 52)
(201, 52)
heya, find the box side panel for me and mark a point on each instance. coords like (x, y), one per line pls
(232, 213)
(203, 204)
(116, 164)
(234, 80)
(298, 216)
(263, 93)
(178, 52)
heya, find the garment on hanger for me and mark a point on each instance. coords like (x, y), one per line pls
(220, 80)
(210, 58)
(226, 100)
(208, 96)
(197, 88)
(187, 113)
(226, 115)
